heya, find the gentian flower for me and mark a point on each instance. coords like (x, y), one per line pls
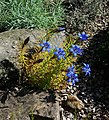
(60, 53)
(76, 50)
(45, 46)
(86, 69)
(83, 36)
(72, 76)
(71, 69)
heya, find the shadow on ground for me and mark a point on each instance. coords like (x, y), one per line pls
(9, 79)
(11, 82)
(97, 55)
(9, 75)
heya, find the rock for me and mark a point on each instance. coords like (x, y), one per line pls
(62, 114)
(22, 106)
(10, 40)
(68, 119)
(74, 102)
(47, 108)
(94, 117)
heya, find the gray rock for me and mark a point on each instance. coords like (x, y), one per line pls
(47, 108)
(10, 41)
(21, 108)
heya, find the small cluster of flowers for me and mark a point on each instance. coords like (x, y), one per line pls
(73, 76)
(75, 50)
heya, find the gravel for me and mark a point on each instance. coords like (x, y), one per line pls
(91, 16)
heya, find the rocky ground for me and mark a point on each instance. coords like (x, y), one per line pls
(93, 18)
(86, 15)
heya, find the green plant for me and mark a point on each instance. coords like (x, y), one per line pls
(48, 68)
(30, 14)
(31, 115)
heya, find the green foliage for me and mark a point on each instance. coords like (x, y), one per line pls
(30, 14)
(43, 69)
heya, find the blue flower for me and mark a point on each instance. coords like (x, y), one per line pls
(86, 69)
(69, 74)
(69, 80)
(71, 69)
(60, 53)
(45, 46)
(76, 50)
(83, 36)
(72, 76)
(73, 82)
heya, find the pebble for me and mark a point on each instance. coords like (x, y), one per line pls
(90, 109)
(98, 115)
(63, 91)
(94, 117)
(13, 46)
(68, 119)
(72, 91)
(83, 116)
(94, 110)
(64, 118)
(85, 101)
(86, 109)
(82, 111)
(70, 115)
(82, 93)
(74, 88)
(8, 117)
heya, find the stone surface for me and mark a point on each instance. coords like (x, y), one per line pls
(10, 40)
(17, 103)
(23, 107)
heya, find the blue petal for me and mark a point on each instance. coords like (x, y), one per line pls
(44, 49)
(69, 80)
(83, 33)
(79, 35)
(76, 80)
(41, 44)
(73, 82)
